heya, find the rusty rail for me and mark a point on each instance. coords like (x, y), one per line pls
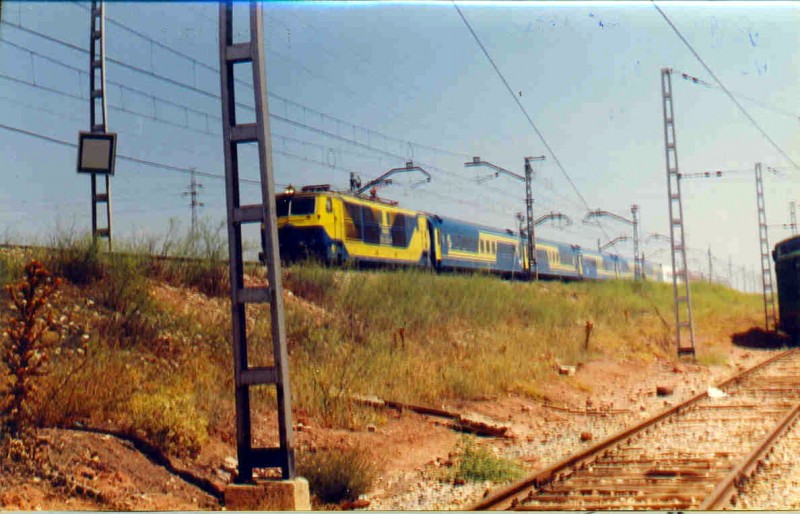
(513, 495)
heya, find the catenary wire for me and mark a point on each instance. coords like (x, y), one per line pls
(722, 86)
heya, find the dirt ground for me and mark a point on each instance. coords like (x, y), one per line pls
(92, 471)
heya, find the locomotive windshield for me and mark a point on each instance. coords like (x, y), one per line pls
(789, 247)
(294, 206)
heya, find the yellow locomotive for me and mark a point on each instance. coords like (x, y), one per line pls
(319, 223)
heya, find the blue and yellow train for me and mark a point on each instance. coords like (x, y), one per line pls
(339, 228)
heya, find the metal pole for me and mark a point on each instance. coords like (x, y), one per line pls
(710, 268)
(637, 261)
(770, 316)
(97, 91)
(793, 217)
(682, 302)
(245, 376)
(533, 265)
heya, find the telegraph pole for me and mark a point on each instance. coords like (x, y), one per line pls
(193, 193)
(793, 217)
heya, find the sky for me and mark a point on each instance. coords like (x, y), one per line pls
(365, 87)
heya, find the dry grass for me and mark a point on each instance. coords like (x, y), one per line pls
(404, 335)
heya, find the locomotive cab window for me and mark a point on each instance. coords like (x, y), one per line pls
(282, 206)
(328, 205)
(300, 206)
(289, 206)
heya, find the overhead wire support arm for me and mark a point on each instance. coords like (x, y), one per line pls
(612, 243)
(553, 216)
(532, 267)
(633, 222)
(382, 180)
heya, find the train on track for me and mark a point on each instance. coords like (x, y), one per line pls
(787, 270)
(340, 228)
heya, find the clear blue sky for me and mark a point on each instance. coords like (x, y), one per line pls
(364, 87)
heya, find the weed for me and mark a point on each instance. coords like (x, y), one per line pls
(198, 260)
(169, 419)
(75, 259)
(712, 357)
(477, 464)
(337, 474)
(25, 349)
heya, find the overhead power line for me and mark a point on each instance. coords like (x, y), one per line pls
(213, 69)
(528, 117)
(216, 96)
(722, 86)
(187, 109)
(762, 104)
(137, 160)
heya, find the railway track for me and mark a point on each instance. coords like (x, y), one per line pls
(692, 456)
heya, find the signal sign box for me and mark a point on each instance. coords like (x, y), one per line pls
(97, 152)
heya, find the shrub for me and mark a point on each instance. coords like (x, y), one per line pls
(476, 464)
(337, 474)
(169, 420)
(25, 349)
(75, 260)
(125, 291)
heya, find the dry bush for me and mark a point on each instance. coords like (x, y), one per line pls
(76, 260)
(169, 419)
(28, 340)
(337, 474)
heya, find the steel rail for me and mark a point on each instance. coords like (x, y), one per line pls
(511, 496)
(726, 489)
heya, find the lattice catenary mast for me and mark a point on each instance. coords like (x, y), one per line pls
(97, 94)
(681, 294)
(770, 317)
(234, 134)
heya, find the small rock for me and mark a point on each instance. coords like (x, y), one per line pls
(642, 408)
(371, 428)
(230, 464)
(665, 390)
(586, 436)
(566, 370)
(459, 481)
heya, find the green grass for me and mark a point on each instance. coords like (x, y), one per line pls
(477, 464)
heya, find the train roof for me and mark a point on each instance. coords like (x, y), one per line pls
(790, 245)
